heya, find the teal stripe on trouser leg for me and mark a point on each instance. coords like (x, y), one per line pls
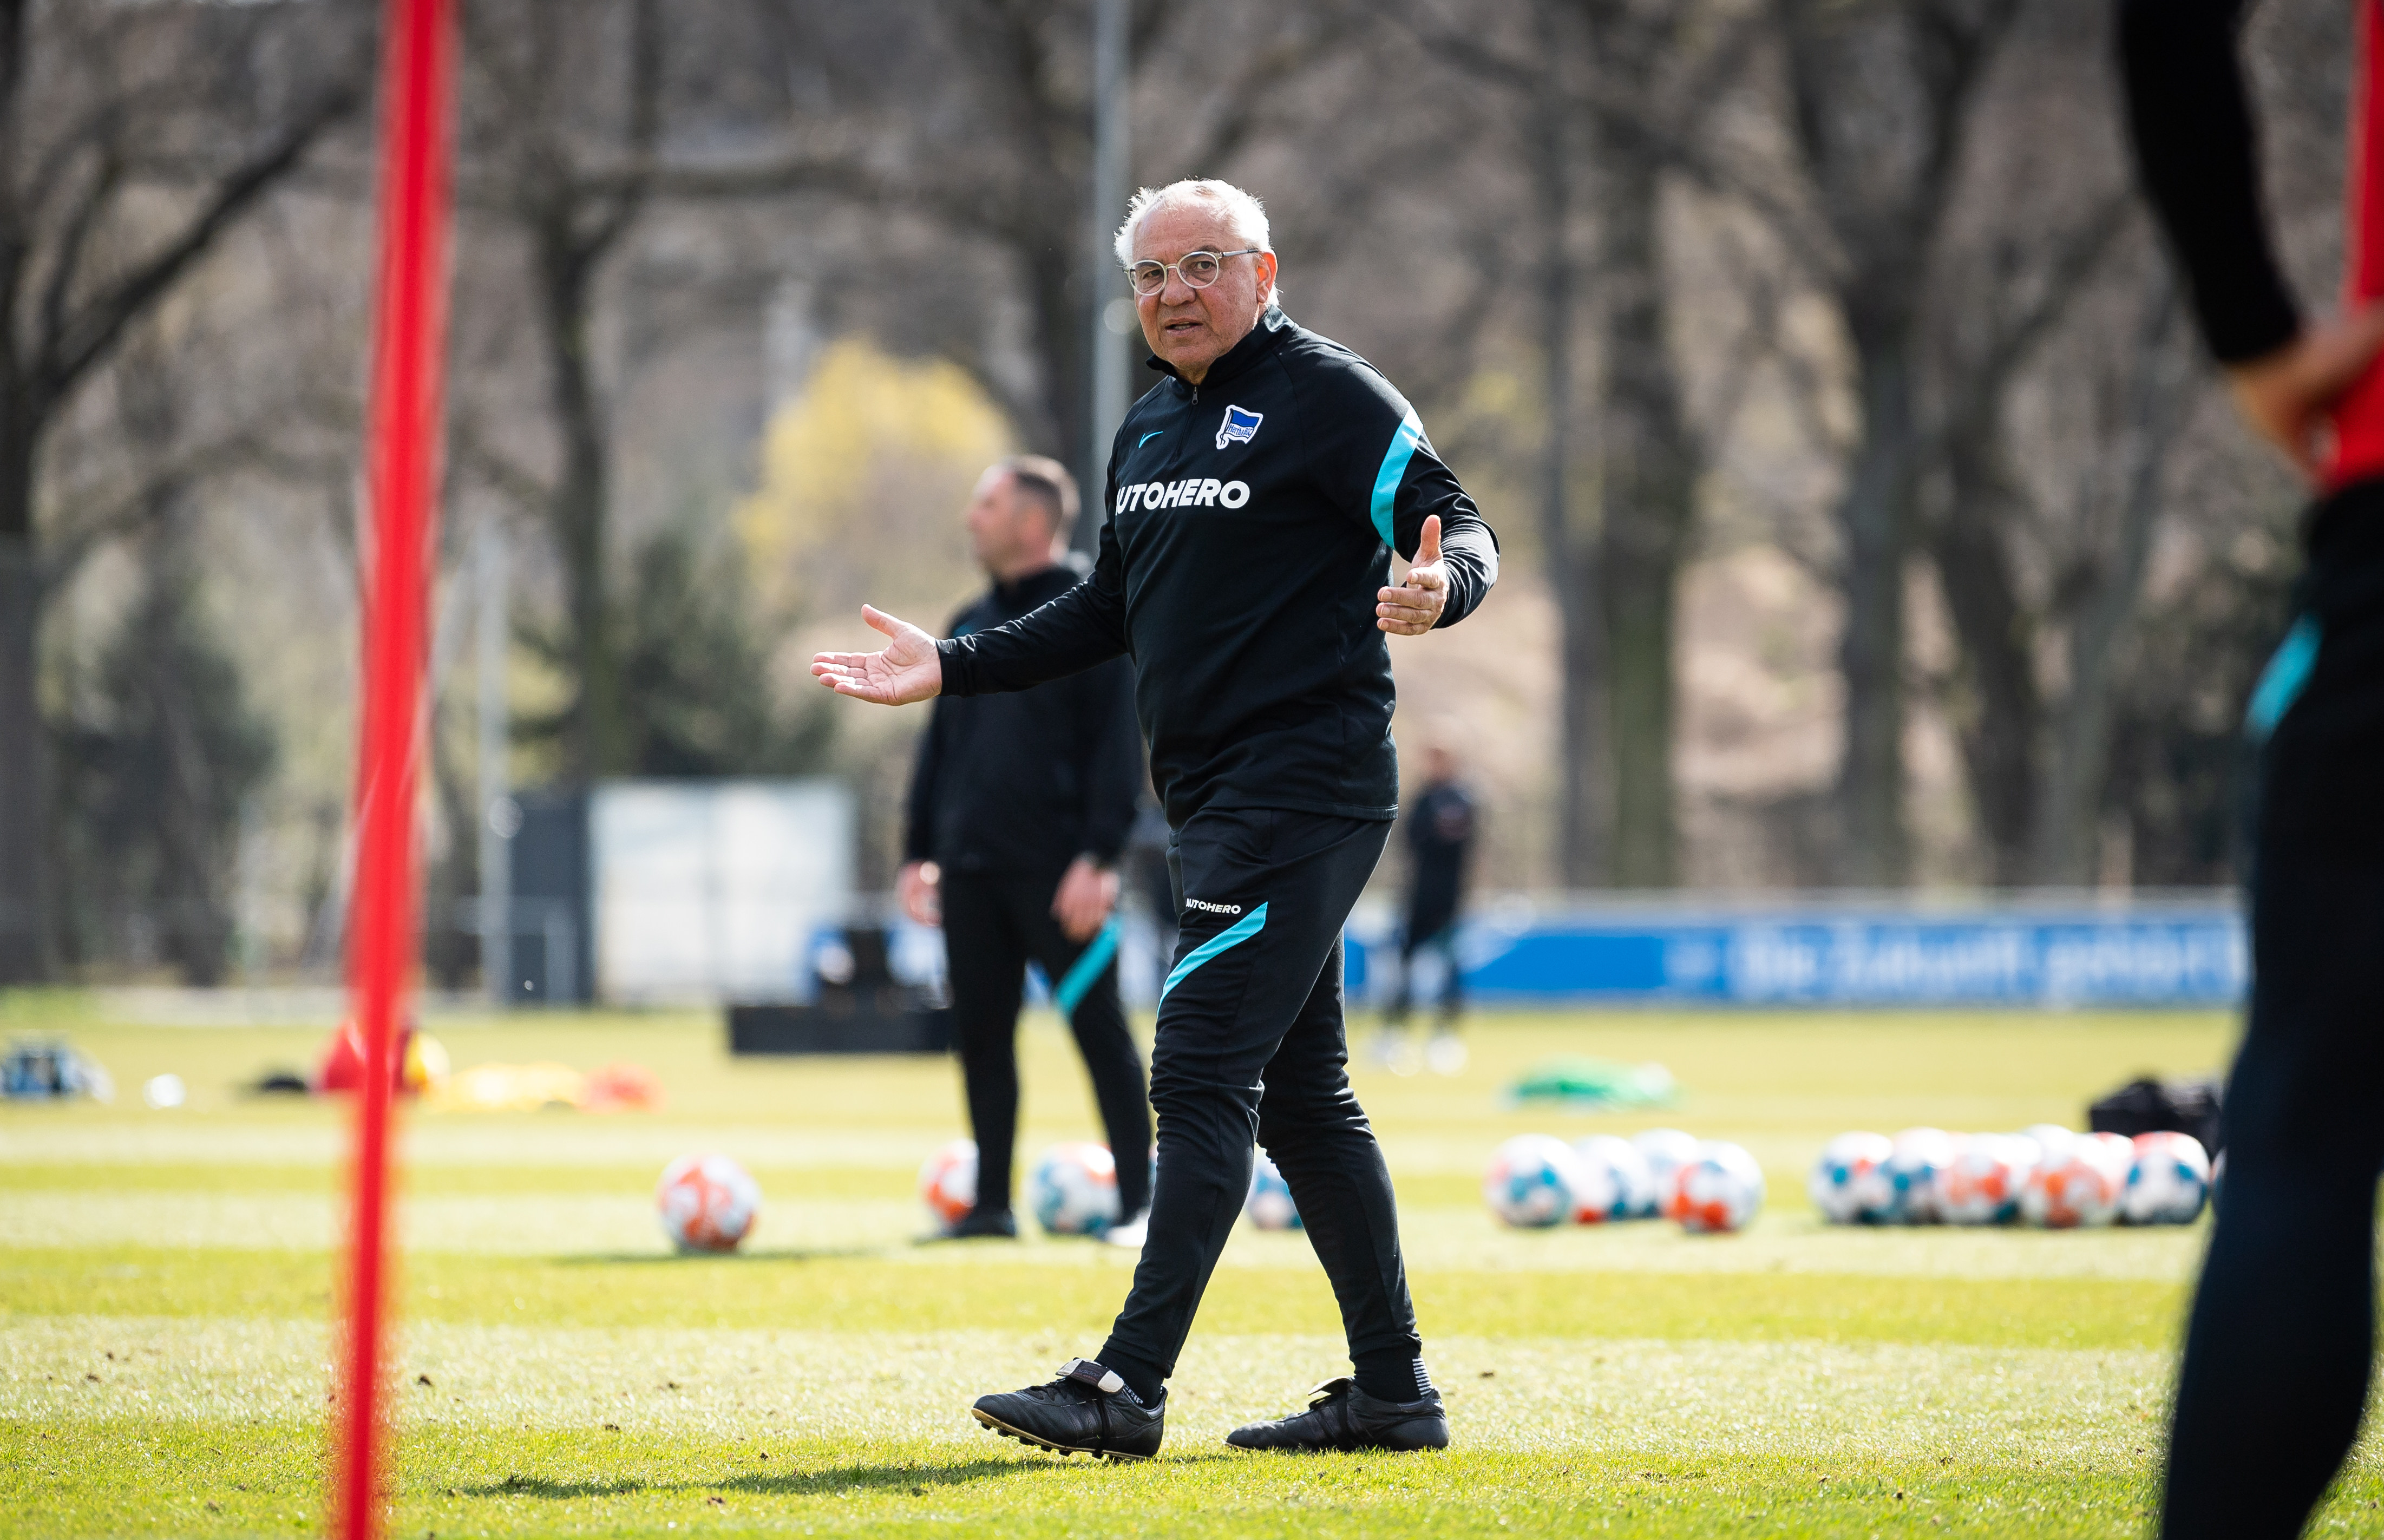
(2283, 680)
(1070, 992)
(1248, 927)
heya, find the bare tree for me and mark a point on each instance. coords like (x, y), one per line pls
(101, 110)
(1013, 178)
(564, 121)
(2020, 574)
(1880, 97)
(1601, 91)
(1534, 75)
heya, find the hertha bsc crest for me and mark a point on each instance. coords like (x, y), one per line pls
(1239, 427)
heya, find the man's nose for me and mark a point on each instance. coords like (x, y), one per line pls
(1176, 291)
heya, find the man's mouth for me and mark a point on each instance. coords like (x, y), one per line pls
(1179, 328)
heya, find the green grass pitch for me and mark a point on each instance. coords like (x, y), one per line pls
(165, 1294)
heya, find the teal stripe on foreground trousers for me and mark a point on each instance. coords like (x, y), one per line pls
(1248, 927)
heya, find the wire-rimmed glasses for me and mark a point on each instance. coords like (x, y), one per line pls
(1197, 269)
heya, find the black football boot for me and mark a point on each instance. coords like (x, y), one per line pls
(982, 1223)
(1344, 1417)
(1087, 1410)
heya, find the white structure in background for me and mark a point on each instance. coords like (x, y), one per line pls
(709, 890)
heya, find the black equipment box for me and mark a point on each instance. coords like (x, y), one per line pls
(860, 1009)
(878, 1021)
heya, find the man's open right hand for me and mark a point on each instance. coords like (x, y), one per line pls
(909, 669)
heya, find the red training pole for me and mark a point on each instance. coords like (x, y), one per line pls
(2359, 417)
(402, 453)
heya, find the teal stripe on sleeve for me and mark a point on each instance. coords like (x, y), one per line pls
(2283, 680)
(1248, 927)
(1404, 444)
(1070, 992)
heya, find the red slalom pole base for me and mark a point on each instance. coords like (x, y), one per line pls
(402, 454)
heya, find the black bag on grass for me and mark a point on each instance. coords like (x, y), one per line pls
(2148, 1106)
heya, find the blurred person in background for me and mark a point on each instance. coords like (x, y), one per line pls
(1440, 844)
(1258, 495)
(2279, 1350)
(1019, 809)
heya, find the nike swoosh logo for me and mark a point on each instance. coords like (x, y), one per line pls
(1148, 437)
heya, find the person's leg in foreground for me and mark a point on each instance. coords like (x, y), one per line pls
(2278, 1351)
(1250, 1044)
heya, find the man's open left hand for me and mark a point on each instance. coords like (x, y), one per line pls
(1414, 607)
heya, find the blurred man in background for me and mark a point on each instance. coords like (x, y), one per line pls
(1440, 844)
(2279, 1348)
(1018, 811)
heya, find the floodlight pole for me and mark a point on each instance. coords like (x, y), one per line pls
(402, 453)
(1112, 355)
(499, 820)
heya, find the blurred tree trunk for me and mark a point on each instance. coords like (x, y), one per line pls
(1648, 489)
(579, 509)
(1880, 102)
(546, 179)
(1997, 640)
(1648, 457)
(2035, 764)
(65, 306)
(1567, 531)
(1594, 92)
(2104, 602)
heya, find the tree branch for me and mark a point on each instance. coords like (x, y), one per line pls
(143, 505)
(504, 475)
(1982, 383)
(645, 127)
(67, 258)
(84, 337)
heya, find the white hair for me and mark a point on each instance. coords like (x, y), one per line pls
(1242, 210)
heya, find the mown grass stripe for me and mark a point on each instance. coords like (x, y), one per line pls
(863, 1294)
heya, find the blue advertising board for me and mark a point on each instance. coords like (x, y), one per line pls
(2174, 953)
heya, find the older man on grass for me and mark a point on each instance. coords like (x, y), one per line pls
(1255, 498)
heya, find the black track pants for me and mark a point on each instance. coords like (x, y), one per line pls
(1251, 1045)
(992, 927)
(2276, 1355)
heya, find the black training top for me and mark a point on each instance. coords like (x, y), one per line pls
(1252, 519)
(1018, 786)
(1440, 836)
(2195, 145)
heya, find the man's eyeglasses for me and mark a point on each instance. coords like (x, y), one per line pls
(1197, 269)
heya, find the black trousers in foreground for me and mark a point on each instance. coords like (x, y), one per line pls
(2276, 1355)
(1251, 1045)
(993, 926)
